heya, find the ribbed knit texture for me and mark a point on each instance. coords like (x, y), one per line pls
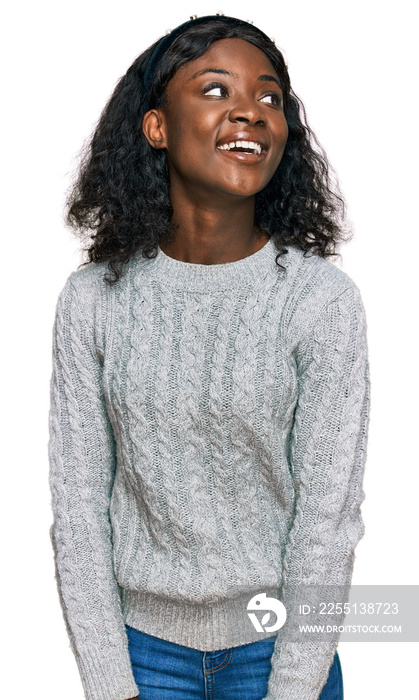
(208, 430)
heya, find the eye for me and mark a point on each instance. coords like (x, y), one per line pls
(272, 98)
(216, 90)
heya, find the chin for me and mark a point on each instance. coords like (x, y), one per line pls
(243, 189)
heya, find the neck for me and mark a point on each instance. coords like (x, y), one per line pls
(211, 234)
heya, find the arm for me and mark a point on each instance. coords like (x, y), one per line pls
(82, 470)
(327, 456)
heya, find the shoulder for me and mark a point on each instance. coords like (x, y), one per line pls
(321, 275)
(317, 280)
(316, 288)
(83, 305)
(85, 289)
(87, 281)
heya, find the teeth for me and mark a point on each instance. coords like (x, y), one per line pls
(249, 145)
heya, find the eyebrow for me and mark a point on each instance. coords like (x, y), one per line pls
(270, 79)
(265, 77)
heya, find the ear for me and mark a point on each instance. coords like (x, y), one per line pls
(153, 128)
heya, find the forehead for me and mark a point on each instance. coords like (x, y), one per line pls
(234, 55)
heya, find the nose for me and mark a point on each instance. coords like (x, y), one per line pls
(246, 110)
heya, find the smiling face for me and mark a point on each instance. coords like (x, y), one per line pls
(224, 128)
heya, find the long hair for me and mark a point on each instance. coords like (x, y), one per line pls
(121, 196)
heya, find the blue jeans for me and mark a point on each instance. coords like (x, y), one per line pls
(164, 669)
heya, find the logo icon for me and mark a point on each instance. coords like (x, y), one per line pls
(261, 602)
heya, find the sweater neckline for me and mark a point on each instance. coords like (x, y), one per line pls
(198, 277)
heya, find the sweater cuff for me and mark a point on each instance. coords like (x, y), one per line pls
(107, 676)
(293, 690)
(300, 670)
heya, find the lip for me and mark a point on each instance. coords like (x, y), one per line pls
(243, 157)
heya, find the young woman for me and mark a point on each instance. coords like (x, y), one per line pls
(210, 390)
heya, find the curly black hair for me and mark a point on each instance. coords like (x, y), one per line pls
(121, 196)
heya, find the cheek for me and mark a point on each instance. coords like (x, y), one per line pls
(283, 132)
(281, 138)
(184, 140)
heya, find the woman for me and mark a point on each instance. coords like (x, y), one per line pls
(210, 390)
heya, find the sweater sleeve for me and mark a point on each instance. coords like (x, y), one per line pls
(82, 469)
(327, 457)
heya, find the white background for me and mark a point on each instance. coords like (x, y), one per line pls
(354, 66)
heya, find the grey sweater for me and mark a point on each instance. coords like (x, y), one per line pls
(208, 430)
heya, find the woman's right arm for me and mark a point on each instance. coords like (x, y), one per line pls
(82, 470)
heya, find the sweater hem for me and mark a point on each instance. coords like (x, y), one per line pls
(200, 626)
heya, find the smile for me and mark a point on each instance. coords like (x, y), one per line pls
(242, 147)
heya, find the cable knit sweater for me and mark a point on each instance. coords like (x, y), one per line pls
(208, 430)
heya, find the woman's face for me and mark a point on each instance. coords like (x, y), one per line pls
(224, 128)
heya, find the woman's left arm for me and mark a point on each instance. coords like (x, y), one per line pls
(327, 457)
